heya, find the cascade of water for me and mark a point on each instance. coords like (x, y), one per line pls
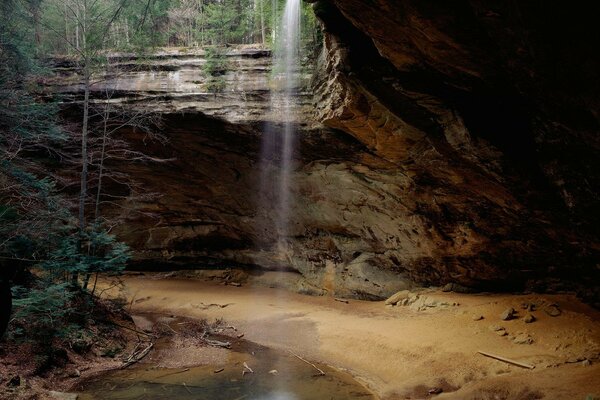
(279, 138)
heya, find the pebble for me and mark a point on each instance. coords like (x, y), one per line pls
(523, 338)
(529, 318)
(553, 310)
(507, 314)
(586, 363)
(528, 306)
(477, 317)
(496, 328)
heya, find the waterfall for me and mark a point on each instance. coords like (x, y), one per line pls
(279, 136)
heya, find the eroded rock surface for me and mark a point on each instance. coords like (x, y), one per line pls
(490, 117)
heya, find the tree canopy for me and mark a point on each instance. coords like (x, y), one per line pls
(160, 23)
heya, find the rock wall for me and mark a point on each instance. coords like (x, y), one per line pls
(493, 116)
(442, 143)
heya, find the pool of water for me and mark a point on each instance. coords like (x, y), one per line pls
(276, 376)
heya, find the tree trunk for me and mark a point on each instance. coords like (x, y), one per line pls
(66, 28)
(77, 19)
(36, 26)
(84, 161)
(262, 22)
(5, 305)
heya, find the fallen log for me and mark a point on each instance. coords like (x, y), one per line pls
(507, 360)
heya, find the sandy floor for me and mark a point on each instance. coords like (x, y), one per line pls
(400, 352)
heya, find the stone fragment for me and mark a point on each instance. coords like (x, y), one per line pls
(586, 363)
(529, 318)
(447, 287)
(501, 332)
(553, 310)
(477, 317)
(508, 314)
(397, 297)
(529, 306)
(523, 338)
(495, 328)
(74, 373)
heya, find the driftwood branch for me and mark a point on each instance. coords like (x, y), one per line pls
(507, 360)
(134, 358)
(218, 343)
(321, 373)
(248, 368)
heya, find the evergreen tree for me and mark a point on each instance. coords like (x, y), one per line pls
(215, 68)
(37, 227)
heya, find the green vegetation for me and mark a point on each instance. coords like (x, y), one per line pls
(215, 68)
(139, 24)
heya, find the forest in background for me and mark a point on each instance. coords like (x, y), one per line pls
(54, 237)
(60, 25)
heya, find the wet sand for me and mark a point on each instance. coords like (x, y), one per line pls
(400, 352)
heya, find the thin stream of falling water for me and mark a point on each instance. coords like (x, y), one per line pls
(278, 140)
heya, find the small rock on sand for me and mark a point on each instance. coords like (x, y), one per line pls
(500, 331)
(523, 338)
(528, 306)
(529, 318)
(477, 317)
(509, 313)
(397, 297)
(553, 310)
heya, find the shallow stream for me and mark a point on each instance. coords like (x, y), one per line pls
(275, 376)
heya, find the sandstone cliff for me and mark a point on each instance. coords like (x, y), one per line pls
(438, 143)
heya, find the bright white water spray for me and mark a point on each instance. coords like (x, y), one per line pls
(279, 139)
